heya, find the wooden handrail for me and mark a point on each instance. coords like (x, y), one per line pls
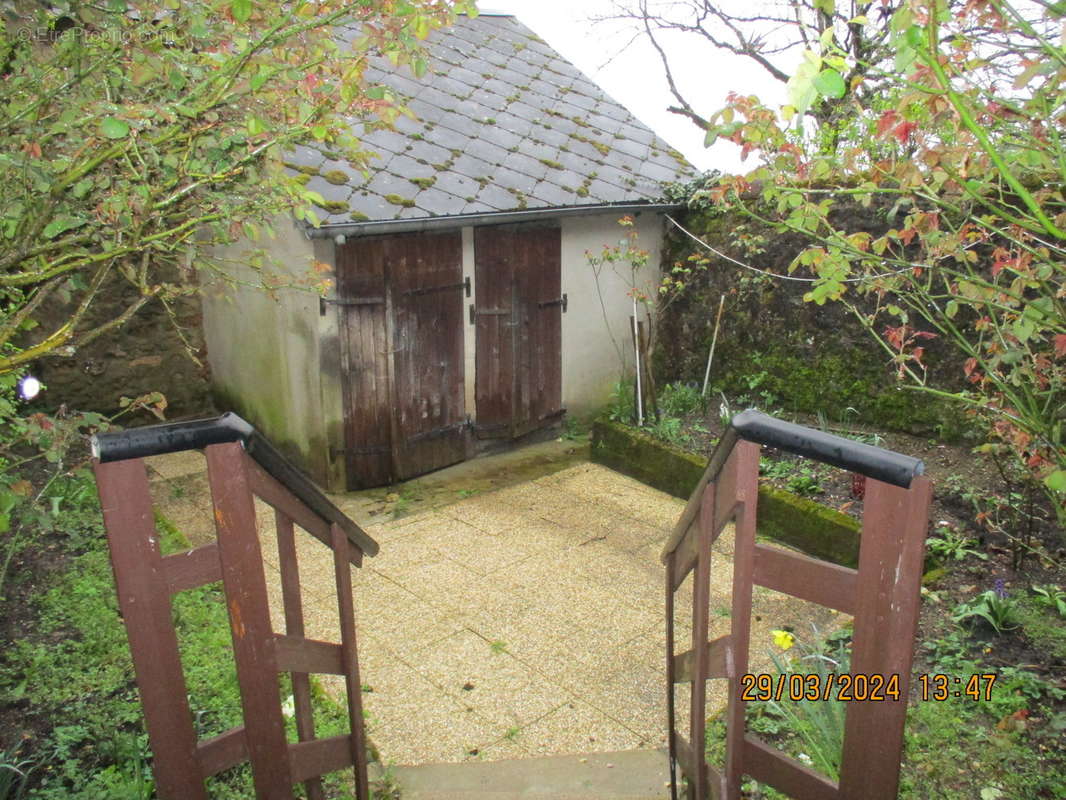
(155, 440)
(753, 426)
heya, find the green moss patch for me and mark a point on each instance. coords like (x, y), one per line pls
(333, 206)
(782, 516)
(423, 183)
(302, 168)
(397, 200)
(604, 149)
(336, 177)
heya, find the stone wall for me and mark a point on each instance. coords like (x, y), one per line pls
(145, 355)
(775, 350)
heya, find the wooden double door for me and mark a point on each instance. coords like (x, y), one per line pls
(401, 298)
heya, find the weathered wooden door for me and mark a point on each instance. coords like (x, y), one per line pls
(518, 329)
(402, 304)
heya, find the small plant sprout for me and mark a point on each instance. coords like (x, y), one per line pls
(1052, 597)
(994, 607)
(947, 544)
(498, 646)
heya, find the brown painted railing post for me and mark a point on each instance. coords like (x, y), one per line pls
(701, 600)
(886, 617)
(671, 673)
(294, 626)
(745, 479)
(144, 599)
(342, 556)
(249, 612)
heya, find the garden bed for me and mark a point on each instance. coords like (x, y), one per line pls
(782, 515)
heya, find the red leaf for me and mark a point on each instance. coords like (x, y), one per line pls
(903, 131)
(887, 121)
(1060, 345)
(907, 235)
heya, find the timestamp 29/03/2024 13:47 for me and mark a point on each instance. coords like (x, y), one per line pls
(762, 687)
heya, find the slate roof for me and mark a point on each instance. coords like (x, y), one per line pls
(504, 123)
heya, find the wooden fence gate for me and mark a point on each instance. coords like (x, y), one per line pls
(242, 467)
(883, 595)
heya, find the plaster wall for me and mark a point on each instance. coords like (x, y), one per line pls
(264, 348)
(469, 348)
(597, 344)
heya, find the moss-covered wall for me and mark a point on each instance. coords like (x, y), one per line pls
(147, 354)
(782, 516)
(774, 349)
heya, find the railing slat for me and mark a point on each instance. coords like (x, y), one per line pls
(769, 765)
(318, 756)
(685, 756)
(807, 578)
(719, 661)
(222, 752)
(192, 568)
(299, 655)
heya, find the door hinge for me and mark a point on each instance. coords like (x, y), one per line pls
(560, 301)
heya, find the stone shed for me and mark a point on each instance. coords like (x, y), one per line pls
(464, 313)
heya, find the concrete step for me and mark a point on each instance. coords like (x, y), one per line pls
(626, 775)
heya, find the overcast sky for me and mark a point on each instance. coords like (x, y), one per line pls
(631, 72)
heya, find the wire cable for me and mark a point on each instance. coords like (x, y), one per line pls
(732, 260)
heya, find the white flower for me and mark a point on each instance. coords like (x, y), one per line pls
(288, 708)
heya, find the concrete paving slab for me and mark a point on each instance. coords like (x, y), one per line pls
(574, 727)
(491, 680)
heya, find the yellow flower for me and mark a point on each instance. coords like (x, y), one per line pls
(783, 639)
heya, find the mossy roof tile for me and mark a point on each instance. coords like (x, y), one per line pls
(496, 94)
